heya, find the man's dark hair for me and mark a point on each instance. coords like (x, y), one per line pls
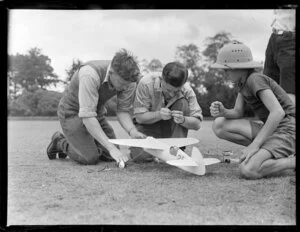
(126, 66)
(175, 74)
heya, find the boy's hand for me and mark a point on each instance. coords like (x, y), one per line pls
(178, 116)
(217, 109)
(247, 153)
(165, 114)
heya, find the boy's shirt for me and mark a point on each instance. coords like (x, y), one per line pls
(257, 82)
(149, 97)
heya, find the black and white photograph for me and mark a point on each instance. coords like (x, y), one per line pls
(151, 117)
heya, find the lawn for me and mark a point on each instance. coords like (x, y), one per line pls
(62, 192)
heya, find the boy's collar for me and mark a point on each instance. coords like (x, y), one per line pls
(106, 79)
(107, 73)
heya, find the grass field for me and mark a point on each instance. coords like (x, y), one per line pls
(62, 192)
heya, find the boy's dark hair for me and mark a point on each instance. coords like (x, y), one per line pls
(175, 74)
(126, 66)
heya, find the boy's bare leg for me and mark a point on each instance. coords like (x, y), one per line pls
(234, 130)
(263, 164)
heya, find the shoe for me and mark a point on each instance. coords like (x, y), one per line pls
(52, 149)
(62, 155)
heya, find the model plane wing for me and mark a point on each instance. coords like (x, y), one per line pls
(183, 162)
(179, 142)
(153, 143)
(149, 143)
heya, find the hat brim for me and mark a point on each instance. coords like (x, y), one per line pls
(251, 64)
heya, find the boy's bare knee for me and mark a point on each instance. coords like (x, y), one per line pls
(248, 172)
(218, 126)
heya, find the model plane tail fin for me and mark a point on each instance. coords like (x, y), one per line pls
(183, 162)
(198, 158)
(209, 161)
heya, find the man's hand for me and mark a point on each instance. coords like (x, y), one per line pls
(248, 152)
(217, 109)
(118, 156)
(135, 134)
(165, 114)
(178, 116)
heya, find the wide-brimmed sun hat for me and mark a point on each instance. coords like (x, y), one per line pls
(235, 56)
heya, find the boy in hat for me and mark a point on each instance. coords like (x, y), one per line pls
(270, 142)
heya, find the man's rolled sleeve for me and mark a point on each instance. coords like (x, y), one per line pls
(142, 102)
(195, 109)
(88, 92)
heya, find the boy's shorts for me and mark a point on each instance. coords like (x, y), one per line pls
(282, 142)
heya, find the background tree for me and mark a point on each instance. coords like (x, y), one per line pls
(14, 85)
(73, 68)
(38, 103)
(214, 44)
(190, 56)
(31, 71)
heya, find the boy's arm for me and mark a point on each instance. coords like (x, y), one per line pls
(237, 111)
(274, 118)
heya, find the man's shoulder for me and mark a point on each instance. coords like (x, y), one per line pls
(98, 63)
(257, 77)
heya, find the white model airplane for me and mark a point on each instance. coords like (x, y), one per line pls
(168, 151)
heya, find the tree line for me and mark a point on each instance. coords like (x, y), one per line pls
(30, 76)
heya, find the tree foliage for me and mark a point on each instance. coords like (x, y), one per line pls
(31, 71)
(209, 84)
(73, 68)
(190, 56)
(214, 44)
(39, 103)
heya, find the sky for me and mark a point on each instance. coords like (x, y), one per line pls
(64, 35)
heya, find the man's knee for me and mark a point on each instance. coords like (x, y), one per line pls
(90, 160)
(249, 172)
(218, 127)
